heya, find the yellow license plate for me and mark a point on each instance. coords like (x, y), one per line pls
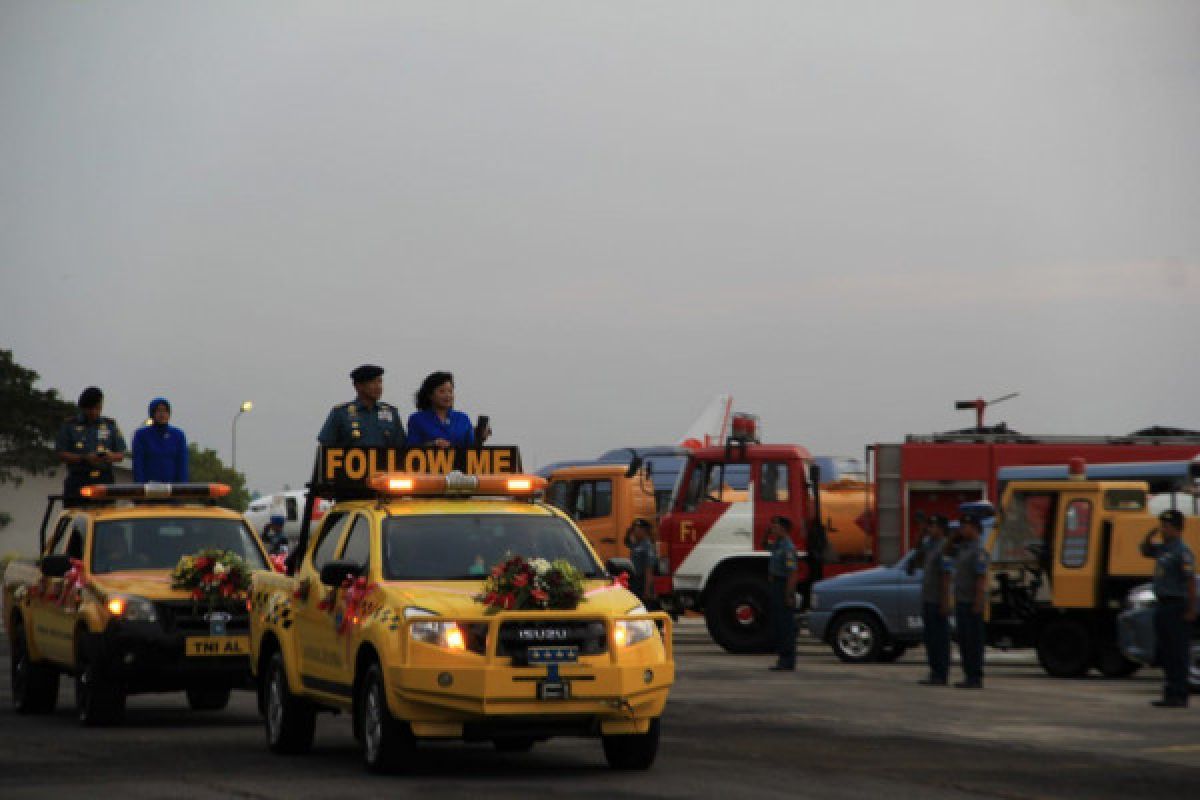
(217, 645)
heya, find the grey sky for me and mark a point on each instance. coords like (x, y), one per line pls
(601, 215)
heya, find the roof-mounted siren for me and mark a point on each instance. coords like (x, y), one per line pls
(979, 405)
(1076, 469)
(743, 430)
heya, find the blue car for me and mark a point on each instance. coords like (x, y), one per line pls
(1135, 633)
(875, 615)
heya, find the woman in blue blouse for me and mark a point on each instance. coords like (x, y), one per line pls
(436, 422)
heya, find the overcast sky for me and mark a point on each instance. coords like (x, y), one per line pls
(600, 215)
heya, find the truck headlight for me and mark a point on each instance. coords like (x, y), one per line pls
(439, 632)
(131, 608)
(1141, 598)
(628, 632)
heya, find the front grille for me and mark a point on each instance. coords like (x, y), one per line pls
(186, 617)
(517, 636)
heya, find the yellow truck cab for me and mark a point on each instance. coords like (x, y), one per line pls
(386, 617)
(1064, 557)
(98, 604)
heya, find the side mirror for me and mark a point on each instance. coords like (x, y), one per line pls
(814, 475)
(55, 566)
(635, 464)
(335, 572)
(615, 566)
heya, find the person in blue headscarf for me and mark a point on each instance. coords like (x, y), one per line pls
(160, 450)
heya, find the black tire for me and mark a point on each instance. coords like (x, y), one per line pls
(856, 637)
(208, 699)
(1064, 648)
(34, 685)
(99, 700)
(289, 721)
(388, 743)
(892, 652)
(514, 744)
(737, 614)
(1112, 663)
(635, 751)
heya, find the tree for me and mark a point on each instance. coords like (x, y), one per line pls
(205, 466)
(29, 424)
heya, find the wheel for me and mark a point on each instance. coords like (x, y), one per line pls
(514, 744)
(737, 615)
(633, 751)
(857, 637)
(290, 721)
(388, 743)
(34, 685)
(892, 651)
(1112, 663)
(99, 701)
(1064, 648)
(208, 699)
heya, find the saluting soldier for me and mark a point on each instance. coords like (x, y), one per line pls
(644, 556)
(1175, 611)
(365, 421)
(970, 595)
(781, 581)
(89, 444)
(935, 567)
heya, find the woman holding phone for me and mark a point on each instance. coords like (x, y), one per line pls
(435, 422)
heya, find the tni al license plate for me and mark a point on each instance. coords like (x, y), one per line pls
(217, 645)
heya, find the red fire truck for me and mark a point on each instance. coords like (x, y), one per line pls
(711, 538)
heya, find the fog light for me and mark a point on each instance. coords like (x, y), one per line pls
(648, 676)
(445, 679)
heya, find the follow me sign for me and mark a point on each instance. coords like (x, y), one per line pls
(355, 465)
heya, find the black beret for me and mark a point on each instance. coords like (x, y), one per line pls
(1173, 517)
(90, 397)
(367, 372)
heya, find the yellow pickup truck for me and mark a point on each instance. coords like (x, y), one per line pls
(388, 616)
(99, 604)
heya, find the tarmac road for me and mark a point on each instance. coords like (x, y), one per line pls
(732, 730)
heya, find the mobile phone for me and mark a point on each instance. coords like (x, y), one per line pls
(481, 427)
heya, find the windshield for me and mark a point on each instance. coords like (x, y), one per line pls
(1028, 521)
(467, 546)
(159, 542)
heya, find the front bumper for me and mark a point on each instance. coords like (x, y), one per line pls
(469, 695)
(142, 657)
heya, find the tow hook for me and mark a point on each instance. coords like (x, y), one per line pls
(623, 706)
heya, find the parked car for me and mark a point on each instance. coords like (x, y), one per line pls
(875, 615)
(1135, 632)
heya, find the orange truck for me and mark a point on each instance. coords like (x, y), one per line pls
(603, 500)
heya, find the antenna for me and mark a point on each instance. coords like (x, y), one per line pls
(979, 404)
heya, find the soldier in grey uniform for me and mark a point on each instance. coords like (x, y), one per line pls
(1175, 591)
(644, 557)
(365, 421)
(89, 444)
(936, 568)
(970, 595)
(781, 583)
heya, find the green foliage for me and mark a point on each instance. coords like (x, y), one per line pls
(30, 422)
(205, 466)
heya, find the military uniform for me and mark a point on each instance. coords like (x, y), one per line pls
(354, 425)
(80, 436)
(970, 563)
(1174, 569)
(644, 557)
(935, 565)
(780, 566)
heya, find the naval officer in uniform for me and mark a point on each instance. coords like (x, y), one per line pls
(89, 444)
(1175, 591)
(366, 421)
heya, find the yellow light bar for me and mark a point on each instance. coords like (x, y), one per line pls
(152, 491)
(456, 484)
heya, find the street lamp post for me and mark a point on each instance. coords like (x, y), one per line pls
(246, 406)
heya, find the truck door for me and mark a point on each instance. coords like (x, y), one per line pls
(42, 635)
(1074, 567)
(590, 503)
(55, 621)
(710, 489)
(321, 655)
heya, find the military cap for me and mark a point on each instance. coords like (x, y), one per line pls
(367, 372)
(90, 397)
(970, 518)
(1173, 517)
